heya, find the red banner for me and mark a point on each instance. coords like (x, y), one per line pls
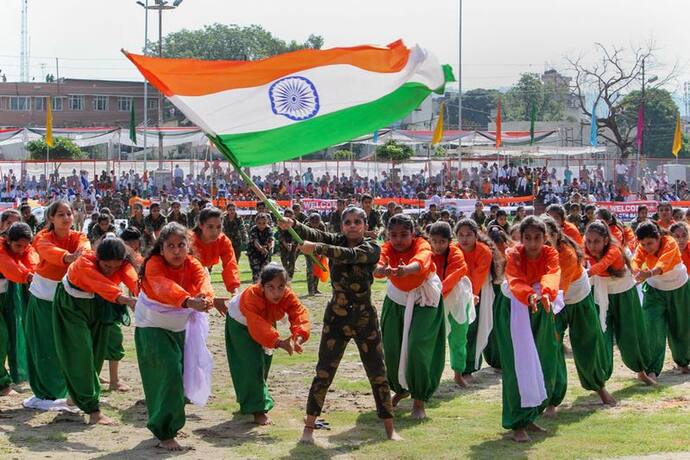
(627, 210)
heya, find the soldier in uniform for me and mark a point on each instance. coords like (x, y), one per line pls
(153, 223)
(137, 219)
(28, 218)
(315, 222)
(336, 216)
(176, 214)
(234, 228)
(350, 314)
(373, 217)
(287, 247)
(259, 245)
(193, 213)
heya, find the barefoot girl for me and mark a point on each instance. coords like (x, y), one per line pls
(478, 253)
(170, 334)
(681, 232)
(525, 328)
(502, 243)
(57, 246)
(581, 317)
(457, 293)
(658, 264)
(18, 260)
(210, 245)
(412, 320)
(349, 315)
(616, 296)
(251, 337)
(82, 300)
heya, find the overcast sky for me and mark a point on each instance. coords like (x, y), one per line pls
(501, 38)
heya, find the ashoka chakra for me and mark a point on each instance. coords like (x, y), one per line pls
(294, 97)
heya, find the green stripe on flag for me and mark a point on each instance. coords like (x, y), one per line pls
(280, 144)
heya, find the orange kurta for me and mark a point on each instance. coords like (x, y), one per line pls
(666, 258)
(522, 273)
(665, 224)
(261, 315)
(613, 258)
(15, 267)
(629, 238)
(685, 255)
(571, 268)
(53, 249)
(571, 230)
(478, 265)
(420, 252)
(450, 267)
(85, 275)
(209, 254)
(172, 286)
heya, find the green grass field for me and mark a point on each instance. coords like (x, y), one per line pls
(462, 423)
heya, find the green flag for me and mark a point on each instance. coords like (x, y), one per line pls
(532, 119)
(132, 124)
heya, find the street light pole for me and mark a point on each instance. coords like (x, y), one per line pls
(160, 96)
(460, 91)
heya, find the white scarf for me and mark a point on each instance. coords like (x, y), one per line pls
(43, 288)
(577, 291)
(607, 285)
(671, 280)
(486, 318)
(459, 303)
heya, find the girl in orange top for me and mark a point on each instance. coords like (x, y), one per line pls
(557, 213)
(174, 286)
(681, 232)
(528, 264)
(665, 212)
(210, 245)
(457, 294)
(83, 301)
(659, 265)
(478, 252)
(615, 294)
(412, 320)
(18, 260)
(580, 315)
(251, 337)
(57, 246)
(622, 234)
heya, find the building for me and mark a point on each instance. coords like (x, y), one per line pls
(77, 103)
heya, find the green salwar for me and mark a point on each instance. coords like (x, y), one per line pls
(80, 342)
(249, 367)
(589, 348)
(5, 380)
(544, 331)
(625, 324)
(667, 313)
(470, 365)
(45, 376)
(457, 344)
(115, 349)
(160, 355)
(13, 309)
(491, 353)
(426, 347)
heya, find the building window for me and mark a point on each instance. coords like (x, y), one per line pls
(152, 102)
(39, 104)
(58, 104)
(124, 104)
(100, 103)
(20, 103)
(76, 103)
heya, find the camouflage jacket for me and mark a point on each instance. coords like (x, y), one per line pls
(351, 268)
(235, 230)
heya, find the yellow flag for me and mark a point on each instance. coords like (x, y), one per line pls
(677, 137)
(49, 121)
(438, 132)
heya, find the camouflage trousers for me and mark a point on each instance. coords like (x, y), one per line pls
(340, 324)
(288, 260)
(312, 280)
(237, 247)
(256, 263)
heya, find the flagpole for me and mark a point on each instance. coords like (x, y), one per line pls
(260, 194)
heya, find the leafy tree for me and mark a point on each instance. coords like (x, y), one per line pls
(477, 105)
(548, 98)
(63, 149)
(394, 151)
(228, 42)
(342, 155)
(660, 120)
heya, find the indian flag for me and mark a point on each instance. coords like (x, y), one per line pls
(275, 109)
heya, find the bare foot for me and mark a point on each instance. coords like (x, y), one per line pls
(469, 378)
(97, 418)
(8, 392)
(102, 380)
(70, 402)
(307, 435)
(391, 434)
(171, 445)
(460, 380)
(606, 397)
(550, 411)
(646, 378)
(534, 428)
(684, 369)
(418, 412)
(262, 419)
(119, 386)
(520, 435)
(497, 370)
(399, 397)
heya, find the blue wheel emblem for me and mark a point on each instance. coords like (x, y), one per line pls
(294, 97)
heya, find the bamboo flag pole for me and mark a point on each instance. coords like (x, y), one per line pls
(260, 194)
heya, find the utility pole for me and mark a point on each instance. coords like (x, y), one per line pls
(460, 91)
(24, 43)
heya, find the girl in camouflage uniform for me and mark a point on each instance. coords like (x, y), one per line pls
(349, 314)
(260, 245)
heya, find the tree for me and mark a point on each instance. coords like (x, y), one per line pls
(394, 151)
(63, 149)
(608, 79)
(660, 120)
(228, 42)
(548, 98)
(342, 155)
(477, 105)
